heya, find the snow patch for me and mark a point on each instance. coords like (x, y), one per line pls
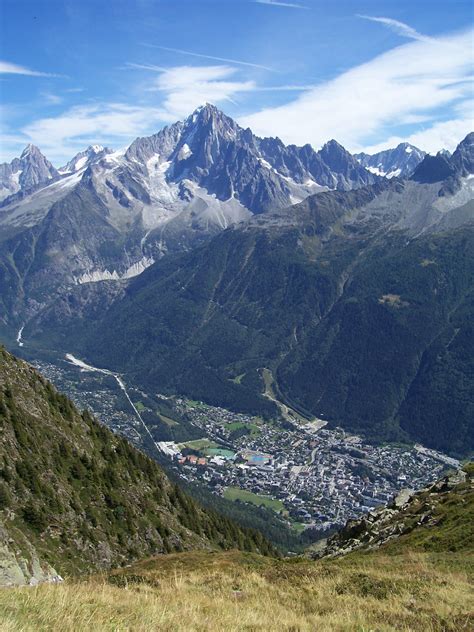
(18, 338)
(184, 152)
(376, 171)
(16, 177)
(105, 275)
(80, 163)
(394, 174)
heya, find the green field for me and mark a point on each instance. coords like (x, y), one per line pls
(219, 452)
(235, 493)
(199, 444)
(140, 406)
(167, 420)
(238, 378)
(237, 425)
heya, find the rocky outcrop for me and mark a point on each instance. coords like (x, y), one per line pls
(407, 511)
(20, 564)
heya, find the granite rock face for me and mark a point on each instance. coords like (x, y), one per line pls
(399, 162)
(407, 511)
(20, 564)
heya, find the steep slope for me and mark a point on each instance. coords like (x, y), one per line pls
(438, 518)
(420, 581)
(77, 498)
(399, 162)
(92, 154)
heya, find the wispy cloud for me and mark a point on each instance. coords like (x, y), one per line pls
(186, 87)
(288, 5)
(182, 88)
(226, 60)
(400, 28)
(411, 82)
(106, 123)
(50, 98)
(8, 68)
(440, 135)
(248, 86)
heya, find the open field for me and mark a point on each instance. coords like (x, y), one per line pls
(238, 425)
(167, 420)
(199, 444)
(235, 493)
(235, 591)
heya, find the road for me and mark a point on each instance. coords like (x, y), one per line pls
(83, 366)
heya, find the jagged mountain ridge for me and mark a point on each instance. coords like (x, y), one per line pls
(399, 162)
(165, 193)
(74, 497)
(92, 154)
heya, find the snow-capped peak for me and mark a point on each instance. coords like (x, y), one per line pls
(85, 158)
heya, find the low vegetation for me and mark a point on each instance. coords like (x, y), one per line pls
(235, 591)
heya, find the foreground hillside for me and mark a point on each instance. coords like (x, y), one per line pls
(74, 497)
(421, 580)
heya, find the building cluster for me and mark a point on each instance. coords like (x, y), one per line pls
(320, 477)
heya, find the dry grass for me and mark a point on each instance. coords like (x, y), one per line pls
(235, 591)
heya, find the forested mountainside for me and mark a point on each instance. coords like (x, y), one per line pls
(360, 303)
(76, 498)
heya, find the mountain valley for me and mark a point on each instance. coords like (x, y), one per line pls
(205, 292)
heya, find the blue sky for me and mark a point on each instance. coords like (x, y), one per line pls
(369, 74)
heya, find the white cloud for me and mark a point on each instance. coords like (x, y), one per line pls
(187, 87)
(201, 56)
(106, 123)
(183, 89)
(444, 135)
(13, 69)
(276, 3)
(411, 82)
(400, 28)
(51, 99)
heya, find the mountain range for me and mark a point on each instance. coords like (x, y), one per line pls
(399, 162)
(353, 290)
(114, 213)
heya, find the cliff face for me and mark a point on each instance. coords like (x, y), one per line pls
(20, 563)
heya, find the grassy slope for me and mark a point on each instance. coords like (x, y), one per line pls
(422, 581)
(235, 591)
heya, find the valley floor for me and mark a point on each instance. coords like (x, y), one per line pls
(237, 591)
